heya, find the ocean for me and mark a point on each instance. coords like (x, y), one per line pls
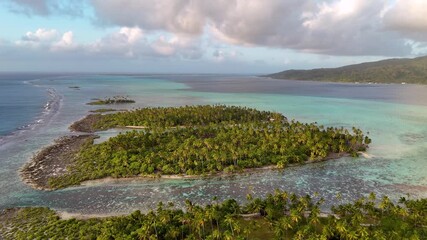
(20, 102)
(35, 109)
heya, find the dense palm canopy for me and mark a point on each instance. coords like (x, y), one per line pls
(279, 216)
(175, 117)
(222, 139)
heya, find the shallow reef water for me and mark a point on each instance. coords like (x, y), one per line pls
(394, 115)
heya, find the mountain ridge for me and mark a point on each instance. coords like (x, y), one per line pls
(395, 70)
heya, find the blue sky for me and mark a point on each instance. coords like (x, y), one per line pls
(224, 36)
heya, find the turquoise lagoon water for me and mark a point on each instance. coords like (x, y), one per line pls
(394, 115)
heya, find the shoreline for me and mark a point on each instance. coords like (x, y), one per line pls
(10, 213)
(99, 181)
(52, 161)
(64, 215)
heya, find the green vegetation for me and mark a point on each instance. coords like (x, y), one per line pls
(175, 117)
(114, 100)
(278, 216)
(386, 71)
(214, 140)
(103, 110)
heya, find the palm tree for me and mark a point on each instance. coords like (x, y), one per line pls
(230, 221)
(278, 230)
(183, 219)
(216, 234)
(314, 216)
(286, 224)
(295, 216)
(341, 227)
(200, 223)
(173, 232)
(227, 235)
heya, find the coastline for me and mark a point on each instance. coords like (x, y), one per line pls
(52, 160)
(10, 213)
(64, 215)
(94, 182)
(84, 124)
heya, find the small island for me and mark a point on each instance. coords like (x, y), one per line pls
(193, 141)
(110, 101)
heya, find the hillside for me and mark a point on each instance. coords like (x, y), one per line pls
(385, 71)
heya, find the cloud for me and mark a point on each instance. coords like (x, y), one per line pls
(47, 7)
(409, 17)
(349, 27)
(121, 43)
(47, 40)
(40, 35)
(331, 27)
(133, 43)
(124, 43)
(180, 16)
(30, 6)
(220, 55)
(66, 43)
(328, 27)
(38, 39)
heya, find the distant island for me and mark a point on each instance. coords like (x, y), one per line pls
(187, 141)
(113, 100)
(386, 71)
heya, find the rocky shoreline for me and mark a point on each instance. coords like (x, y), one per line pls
(53, 161)
(86, 124)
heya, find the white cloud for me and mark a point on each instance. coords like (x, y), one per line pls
(182, 46)
(40, 35)
(408, 17)
(329, 27)
(131, 42)
(39, 38)
(132, 35)
(181, 16)
(220, 55)
(125, 42)
(65, 43)
(47, 40)
(332, 27)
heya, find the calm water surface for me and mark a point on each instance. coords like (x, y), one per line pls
(394, 115)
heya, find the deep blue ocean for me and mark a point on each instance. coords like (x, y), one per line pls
(36, 109)
(20, 102)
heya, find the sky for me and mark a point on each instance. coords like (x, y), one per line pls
(204, 36)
